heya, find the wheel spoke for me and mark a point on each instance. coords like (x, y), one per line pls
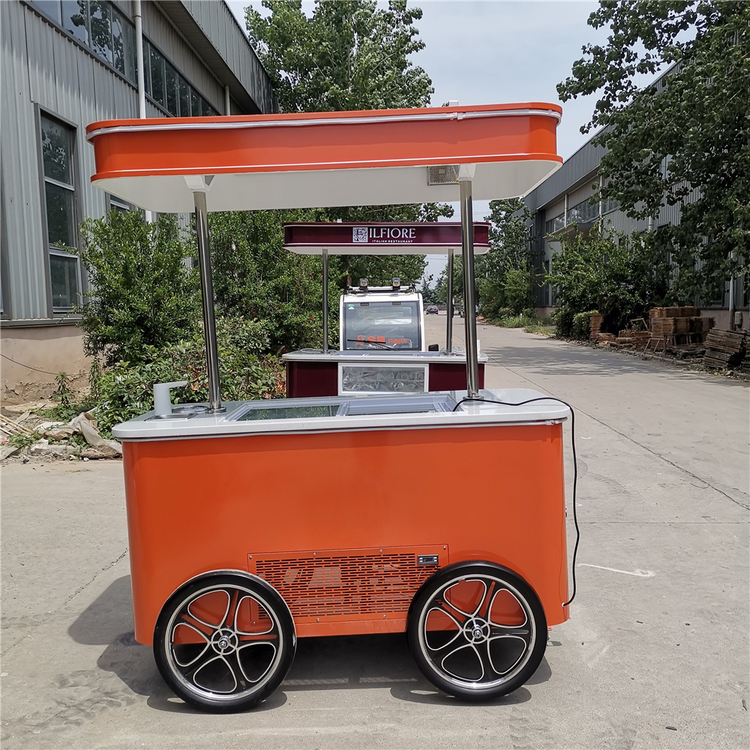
(222, 619)
(253, 670)
(463, 582)
(237, 611)
(186, 647)
(463, 659)
(441, 653)
(215, 673)
(502, 591)
(505, 651)
(487, 599)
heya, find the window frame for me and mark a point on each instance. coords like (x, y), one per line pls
(127, 23)
(74, 187)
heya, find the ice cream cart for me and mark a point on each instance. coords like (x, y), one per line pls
(382, 340)
(251, 524)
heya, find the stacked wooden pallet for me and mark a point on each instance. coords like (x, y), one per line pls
(679, 325)
(724, 349)
(673, 312)
(629, 337)
(595, 324)
(603, 338)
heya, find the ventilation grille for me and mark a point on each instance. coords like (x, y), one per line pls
(340, 583)
(446, 174)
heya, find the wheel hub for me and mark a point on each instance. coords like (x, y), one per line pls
(224, 641)
(476, 630)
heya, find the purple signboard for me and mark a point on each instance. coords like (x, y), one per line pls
(417, 238)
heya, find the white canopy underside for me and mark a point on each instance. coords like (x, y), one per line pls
(251, 191)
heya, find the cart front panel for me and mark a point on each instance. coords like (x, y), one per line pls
(491, 493)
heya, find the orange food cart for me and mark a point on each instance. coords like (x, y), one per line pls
(251, 524)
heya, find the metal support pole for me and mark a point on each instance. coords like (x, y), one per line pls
(449, 325)
(467, 243)
(325, 301)
(139, 63)
(732, 304)
(207, 297)
(140, 66)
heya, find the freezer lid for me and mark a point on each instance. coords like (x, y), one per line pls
(326, 158)
(445, 410)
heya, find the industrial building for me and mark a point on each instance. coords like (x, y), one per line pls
(65, 64)
(562, 203)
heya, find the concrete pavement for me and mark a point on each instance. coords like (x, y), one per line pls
(655, 655)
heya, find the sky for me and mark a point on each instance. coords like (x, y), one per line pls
(498, 51)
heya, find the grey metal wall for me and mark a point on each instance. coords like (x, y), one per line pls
(41, 69)
(221, 28)
(158, 29)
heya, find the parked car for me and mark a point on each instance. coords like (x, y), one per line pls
(430, 309)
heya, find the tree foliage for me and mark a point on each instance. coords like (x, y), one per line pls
(686, 138)
(347, 55)
(256, 279)
(143, 293)
(505, 275)
(609, 272)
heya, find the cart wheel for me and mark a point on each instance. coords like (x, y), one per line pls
(477, 630)
(224, 642)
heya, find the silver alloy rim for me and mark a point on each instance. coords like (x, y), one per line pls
(225, 646)
(477, 635)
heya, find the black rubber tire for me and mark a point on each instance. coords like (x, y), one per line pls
(465, 652)
(240, 667)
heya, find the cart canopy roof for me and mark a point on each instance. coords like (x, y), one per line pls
(327, 159)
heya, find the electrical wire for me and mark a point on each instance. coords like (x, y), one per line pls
(28, 367)
(575, 465)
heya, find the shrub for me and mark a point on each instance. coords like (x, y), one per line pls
(619, 275)
(127, 388)
(581, 328)
(562, 318)
(142, 293)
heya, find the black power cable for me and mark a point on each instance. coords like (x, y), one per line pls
(575, 464)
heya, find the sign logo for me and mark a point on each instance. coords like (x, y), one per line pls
(359, 234)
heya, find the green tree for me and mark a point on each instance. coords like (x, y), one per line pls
(143, 294)
(687, 137)
(256, 279)
(505, 275)
(609, 272)
(347, 55)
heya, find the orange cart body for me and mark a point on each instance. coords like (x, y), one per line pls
(257, 502)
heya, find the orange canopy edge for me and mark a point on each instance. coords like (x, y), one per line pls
(325, 159)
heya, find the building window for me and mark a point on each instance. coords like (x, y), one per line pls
(555, 224)
(99, 27)
(583, 212)
(167, 88)
(118, 204)
(60, 209)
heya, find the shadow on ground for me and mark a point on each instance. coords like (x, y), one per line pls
(341, 663)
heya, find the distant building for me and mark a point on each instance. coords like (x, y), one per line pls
(65, 64)
(561, 205)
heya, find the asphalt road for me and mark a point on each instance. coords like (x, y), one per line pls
(656, 653)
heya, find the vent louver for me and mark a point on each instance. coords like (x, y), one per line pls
(339, 583)
(446, 174)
